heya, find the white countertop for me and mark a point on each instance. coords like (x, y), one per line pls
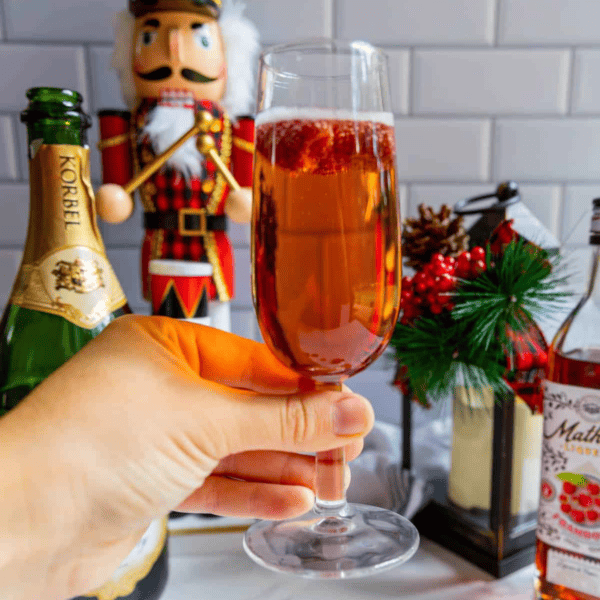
(205, 565)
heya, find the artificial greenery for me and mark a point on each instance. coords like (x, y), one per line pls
(470, 343)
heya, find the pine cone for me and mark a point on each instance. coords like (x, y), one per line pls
(430, 233)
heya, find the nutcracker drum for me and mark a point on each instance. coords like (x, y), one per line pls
(180, 289)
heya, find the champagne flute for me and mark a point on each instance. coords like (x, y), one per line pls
(325, 274)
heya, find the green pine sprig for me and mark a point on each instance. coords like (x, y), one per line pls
(437, 355)
(468, 346)
(522, 285)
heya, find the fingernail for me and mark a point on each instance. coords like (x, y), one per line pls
(350, 416)
(347, 477)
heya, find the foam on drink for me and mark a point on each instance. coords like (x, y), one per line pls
(284, 113)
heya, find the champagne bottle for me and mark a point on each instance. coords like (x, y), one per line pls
(66, 292)
(568, 533)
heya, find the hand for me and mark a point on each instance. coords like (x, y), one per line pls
(238, 205)
(154, 415)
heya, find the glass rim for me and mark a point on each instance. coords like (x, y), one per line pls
(341, 47)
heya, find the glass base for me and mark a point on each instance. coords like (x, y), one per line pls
(360, 541)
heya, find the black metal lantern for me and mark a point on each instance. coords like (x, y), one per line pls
(501, 205)
(486, 509)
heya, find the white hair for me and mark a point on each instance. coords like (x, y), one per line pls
(123, 25)
(242, 45)
(164, 126)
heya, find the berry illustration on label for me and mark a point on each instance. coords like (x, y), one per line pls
(580, 498)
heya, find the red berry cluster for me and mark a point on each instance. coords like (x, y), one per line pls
(503, 235)
(431, 289)
(526, 361)
(529, 349)
(581, 503)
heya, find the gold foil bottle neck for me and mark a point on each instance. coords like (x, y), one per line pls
(64, 270)
(62, 210)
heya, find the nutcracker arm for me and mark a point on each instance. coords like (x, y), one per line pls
(206, 145)
(114, 202)
(115, 140)
(161, 159)
(115, 145)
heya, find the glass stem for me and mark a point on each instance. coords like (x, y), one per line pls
(330, 496)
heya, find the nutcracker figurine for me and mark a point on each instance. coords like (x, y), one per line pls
(183, 63)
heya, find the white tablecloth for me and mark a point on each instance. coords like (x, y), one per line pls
(205, 566)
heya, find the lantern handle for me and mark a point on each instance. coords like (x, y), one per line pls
(507, 193)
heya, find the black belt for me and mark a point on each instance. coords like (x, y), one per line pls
(187, 221)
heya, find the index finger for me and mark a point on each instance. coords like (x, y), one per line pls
(226, 358)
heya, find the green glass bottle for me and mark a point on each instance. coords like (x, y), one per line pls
(66, 292)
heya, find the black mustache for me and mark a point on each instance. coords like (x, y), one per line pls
(165, 72)
(192, 75)
(157, 74)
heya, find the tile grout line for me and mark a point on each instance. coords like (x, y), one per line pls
(21, 151)
(562, 210)
(441, 46)
(8, 137)
(3, 21)
(89, 78)
(333, 16)
(497, 15)
(481, 116)
(571, 81)
(455, 116)
(54, 42)
(411, 91)
(533, 47)
(492, 156)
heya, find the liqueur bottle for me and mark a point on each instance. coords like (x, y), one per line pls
(568, 534)
(66, 292)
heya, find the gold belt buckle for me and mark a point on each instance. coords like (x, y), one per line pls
(183, 213)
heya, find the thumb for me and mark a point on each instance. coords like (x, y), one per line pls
(309, 422)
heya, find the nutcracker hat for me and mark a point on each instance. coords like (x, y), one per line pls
(139, 8)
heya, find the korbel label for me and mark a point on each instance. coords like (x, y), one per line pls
(64, 269)
(569, 513)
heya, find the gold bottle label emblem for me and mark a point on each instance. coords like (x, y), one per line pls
(64, 270)
(79, 276)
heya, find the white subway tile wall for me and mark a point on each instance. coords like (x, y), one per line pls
(60, 20)
(410, 23)
(483, 91)
(106, 91)
(547, 149)
(531, 22)
(500, 81)
(443, 149)
(25, 65)
(586, 86)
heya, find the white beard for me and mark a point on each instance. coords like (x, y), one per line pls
(166, 123)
